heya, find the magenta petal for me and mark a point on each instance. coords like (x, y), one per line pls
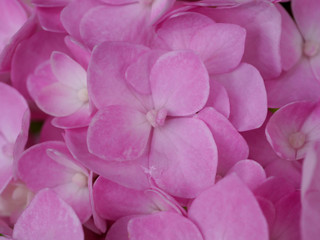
(179, 83)
(107, 68)
(291, 40)
(119, 230)
(307, 15)
(48, 217)
(118, 133)
(231, 145)
(163, 225)
(49, 18)
(240, 219)
(131, 174)
(287, 221)
(183, 157)
(247, 95)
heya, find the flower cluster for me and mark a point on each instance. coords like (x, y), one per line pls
(159, 119)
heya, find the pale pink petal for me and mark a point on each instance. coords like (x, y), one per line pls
(77, 197)
(163, 225)
(58, 100)
(183, 157)
(49, 18)
(315, 65)
(179, 83)
(291, 40)
(132, 174)
(68, 71)
(219, 99)
(50, 218)
(284, 130)
(298, 84)
(247, 95)
(306, 14)
(231, 145)
(241, 218)
(262, 22)
(250, 172)
(107, 68)
(118, 133)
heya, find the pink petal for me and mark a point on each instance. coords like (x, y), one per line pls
(179, 83)
(220, 46)
(159, 8)
(306, 14)
(231, 145)
(80, 118)
(240, 219)
(80, 52)
(298, 84)
(28, 56)
(48, 217)
(11, 118)
(262, 22)
(114, 201)
(118, 133)
(183, 157)
(250, 172)
(284, 130)
(12, 17)
(163, 225)
(291, 40)
(73, 13)
(247, 95)
(38, 170)
(119, 230)
(219, 99)
(98, 24)
(131, 174)
(107, 69)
